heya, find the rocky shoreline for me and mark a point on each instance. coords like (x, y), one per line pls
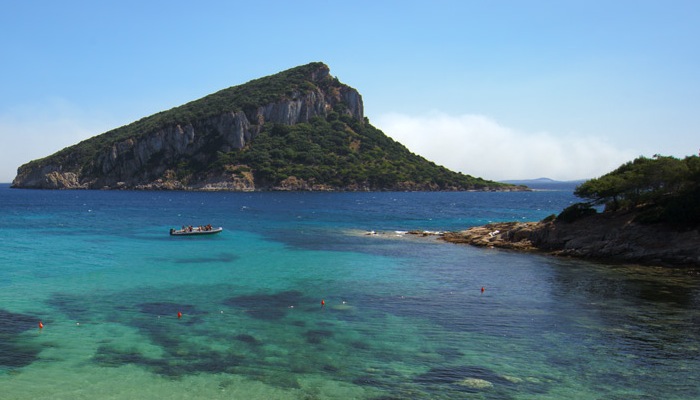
(607, 236)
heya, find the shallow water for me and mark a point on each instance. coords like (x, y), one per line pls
(404, 317)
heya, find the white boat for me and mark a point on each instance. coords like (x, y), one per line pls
(195, 230)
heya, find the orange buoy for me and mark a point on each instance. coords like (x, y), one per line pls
(41, 326)
(179, 315)
(482, 289)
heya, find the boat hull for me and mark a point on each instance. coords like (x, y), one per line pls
(195, 232)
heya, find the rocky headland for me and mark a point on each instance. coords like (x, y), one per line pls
(161, 146)
(300, 129)
(606, 236)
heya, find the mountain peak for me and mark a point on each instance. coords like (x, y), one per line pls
(299, 129)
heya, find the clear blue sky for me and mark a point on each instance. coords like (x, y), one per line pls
(498, 89)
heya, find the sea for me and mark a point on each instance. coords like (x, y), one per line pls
(324, 296)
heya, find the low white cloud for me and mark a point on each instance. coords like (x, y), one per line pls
(31, 132)
(472, 144)
(479, 146)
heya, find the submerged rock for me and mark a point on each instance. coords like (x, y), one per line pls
(245, 338)
(15, 352)
(475, 383)
(267, 306)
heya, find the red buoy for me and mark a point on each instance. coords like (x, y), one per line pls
(323, 302)
(41, 326)
(482, 289)
(179, 315)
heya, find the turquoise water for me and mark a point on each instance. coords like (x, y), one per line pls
(404, 317)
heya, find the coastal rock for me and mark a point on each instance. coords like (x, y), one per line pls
(59, 180)
(52, 177)
(300, 129)
(609, 236)
(293, 183)
(135, 161)
(143, 162)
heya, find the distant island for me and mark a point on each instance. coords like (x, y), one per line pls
(651, 216)
(300, 129)
(546, 183)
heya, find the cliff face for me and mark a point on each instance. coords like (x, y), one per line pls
(153, 159)
(300, 129)
(606, 236)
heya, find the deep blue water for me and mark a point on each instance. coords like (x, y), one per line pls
(404, 317)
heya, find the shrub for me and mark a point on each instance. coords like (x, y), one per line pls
(575, 212)
(550, 218)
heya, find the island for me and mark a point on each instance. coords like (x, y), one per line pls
(651, 216)
(299, 129)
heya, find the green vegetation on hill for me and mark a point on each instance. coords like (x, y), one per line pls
(243, 97)
(339, 151)
(335, 150)
(662, 189)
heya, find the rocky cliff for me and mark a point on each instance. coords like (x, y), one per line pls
(147, 159)
(605, 236)
(236, 139)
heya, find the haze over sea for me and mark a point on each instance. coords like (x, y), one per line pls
(404, 316)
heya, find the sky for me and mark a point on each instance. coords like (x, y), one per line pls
(495, 89)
